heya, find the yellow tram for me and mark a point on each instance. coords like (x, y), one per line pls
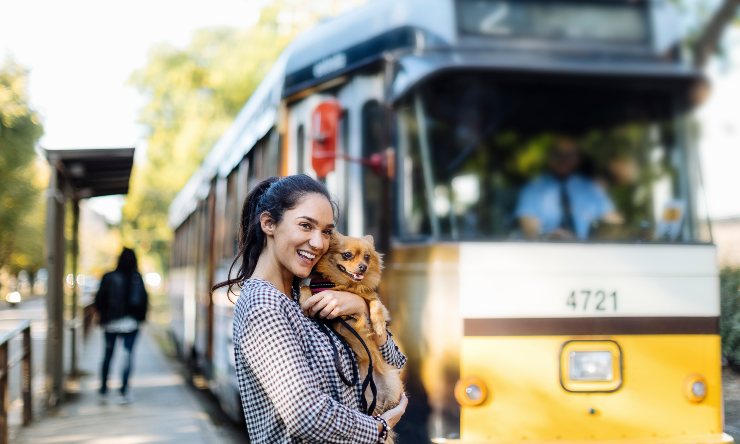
(528, 168)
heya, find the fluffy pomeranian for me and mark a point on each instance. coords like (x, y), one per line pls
(352, 264)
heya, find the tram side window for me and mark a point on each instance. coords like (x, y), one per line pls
(272, 157)
(256, 163)
(232, 216)
(190, 245)
(177, 248)
(264, 159)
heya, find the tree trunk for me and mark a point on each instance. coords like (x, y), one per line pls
(707, 43)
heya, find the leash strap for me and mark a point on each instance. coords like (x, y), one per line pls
(355, 371)
(317, 286)
(369, 380)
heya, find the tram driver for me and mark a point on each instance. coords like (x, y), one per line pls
(562, 203)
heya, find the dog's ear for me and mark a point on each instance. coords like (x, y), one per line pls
(370, 239)
(335, 240)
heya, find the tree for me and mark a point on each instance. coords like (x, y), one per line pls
(28, 251)
(707, 43)
(710, 19)
(20, 129)
(193, 96)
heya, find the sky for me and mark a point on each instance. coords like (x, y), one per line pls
(81, 54)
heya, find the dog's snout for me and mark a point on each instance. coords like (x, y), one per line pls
(363, 268)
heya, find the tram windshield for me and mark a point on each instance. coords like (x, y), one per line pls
(496, 158)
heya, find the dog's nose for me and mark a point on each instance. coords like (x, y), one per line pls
(363, 268)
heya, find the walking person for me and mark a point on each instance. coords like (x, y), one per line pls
(288, 366)
(121, 303)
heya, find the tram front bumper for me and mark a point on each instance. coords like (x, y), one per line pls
(723, 438)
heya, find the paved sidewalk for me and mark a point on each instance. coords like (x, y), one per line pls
(164, 409)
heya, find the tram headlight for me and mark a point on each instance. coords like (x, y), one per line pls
(695, 388)
(591, 366)
(471, 391)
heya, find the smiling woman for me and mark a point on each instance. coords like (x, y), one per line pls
(289, 366)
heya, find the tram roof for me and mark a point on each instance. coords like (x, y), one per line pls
(405, 28)
(364, 35)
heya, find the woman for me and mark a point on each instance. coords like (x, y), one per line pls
(121, 304)
(289, 383)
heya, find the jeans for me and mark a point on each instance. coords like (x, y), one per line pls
(128, 360)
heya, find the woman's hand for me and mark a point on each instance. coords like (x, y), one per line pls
(329, 304)
(394, 415)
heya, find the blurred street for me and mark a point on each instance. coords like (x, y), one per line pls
(161, 397)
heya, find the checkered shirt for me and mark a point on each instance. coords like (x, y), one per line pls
(290, 389)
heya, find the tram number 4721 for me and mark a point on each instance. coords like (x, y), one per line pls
(592, 300)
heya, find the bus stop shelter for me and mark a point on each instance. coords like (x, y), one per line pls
(76, 174)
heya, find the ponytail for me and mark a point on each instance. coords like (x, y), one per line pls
(274, 196)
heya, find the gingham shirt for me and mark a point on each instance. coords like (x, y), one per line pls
(290, 389)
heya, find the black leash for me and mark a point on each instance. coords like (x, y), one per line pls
(355, 368)
(369, 381)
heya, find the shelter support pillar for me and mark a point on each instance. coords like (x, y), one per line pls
(76, 323)
(55, 294)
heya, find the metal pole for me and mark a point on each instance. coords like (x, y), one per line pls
(55, 291)
(27, 370)
(4, 393)
(59, 307)
(75, 291)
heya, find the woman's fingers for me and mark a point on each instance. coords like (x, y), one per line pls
(394, 415)
(330, 306)
(334, 314)
(400, 409)
(320, 304)
(310, 302)
(403, 403)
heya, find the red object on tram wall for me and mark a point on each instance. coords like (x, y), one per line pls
(324, 133)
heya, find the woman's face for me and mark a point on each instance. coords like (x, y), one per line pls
(302, 236)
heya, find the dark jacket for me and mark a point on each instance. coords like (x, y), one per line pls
(120, 295)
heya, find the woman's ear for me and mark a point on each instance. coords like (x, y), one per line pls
(267, 223)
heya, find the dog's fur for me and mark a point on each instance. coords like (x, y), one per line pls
(353, 265)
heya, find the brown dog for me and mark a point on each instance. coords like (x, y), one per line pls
(353, 265)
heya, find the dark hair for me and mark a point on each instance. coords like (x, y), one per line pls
(274, 196)
(127, 261)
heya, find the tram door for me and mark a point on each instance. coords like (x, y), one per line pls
(316, 143)
(361, 97)
(351, 118)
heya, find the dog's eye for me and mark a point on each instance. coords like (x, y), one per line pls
(367, 257)
(347, 255)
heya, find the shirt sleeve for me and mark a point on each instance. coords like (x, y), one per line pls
(527, 204)
(604, 203)
(391, 353)
(272, 351)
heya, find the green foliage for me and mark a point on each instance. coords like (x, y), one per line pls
(729, 325)
(193, 96)
(20, 129)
